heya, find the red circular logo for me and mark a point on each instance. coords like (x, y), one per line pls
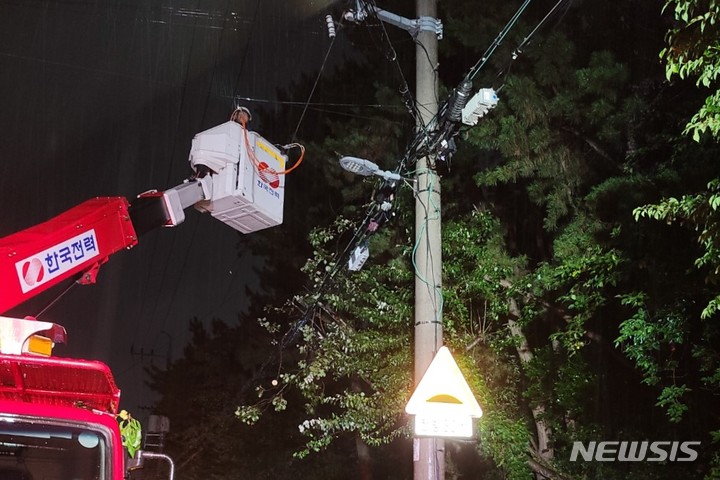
(268, 175)
(33, 272)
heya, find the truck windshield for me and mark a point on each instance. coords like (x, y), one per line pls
(34, 449)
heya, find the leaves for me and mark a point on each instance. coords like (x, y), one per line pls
(693, 51)
(698, 212)
(670, 399)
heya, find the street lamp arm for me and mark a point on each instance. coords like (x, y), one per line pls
(412, 26)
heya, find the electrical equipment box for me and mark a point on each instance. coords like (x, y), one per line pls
(480, 104)
(247, 193)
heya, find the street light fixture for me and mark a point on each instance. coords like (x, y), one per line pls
(366, 168)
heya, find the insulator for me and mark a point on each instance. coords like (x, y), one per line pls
(458, 101)
(330, 26)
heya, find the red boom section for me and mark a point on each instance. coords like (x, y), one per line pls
(76, 241)
(59, 382)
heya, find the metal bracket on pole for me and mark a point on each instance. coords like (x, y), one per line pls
(412, 26)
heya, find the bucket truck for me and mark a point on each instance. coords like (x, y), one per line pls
(58, 416)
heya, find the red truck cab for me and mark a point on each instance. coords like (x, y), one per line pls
(57, 415)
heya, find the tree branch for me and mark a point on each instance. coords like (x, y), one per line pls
(592, 144)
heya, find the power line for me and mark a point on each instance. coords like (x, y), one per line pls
(496, 43)
(527, 39)
(520, 49)
(407, 97)
(247, 48)
(312, 91)
(316, 104)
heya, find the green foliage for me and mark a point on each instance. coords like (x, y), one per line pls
(582, 272)
(670, 399)
(643, 339)
(353, 373)
(542, 133)
(700, 213)
(581, 142)
(476, 267)
(505, 440)
(693, 51)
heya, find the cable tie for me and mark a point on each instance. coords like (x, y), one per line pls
(427, 190)
(427, 323)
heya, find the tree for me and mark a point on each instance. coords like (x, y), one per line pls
(692, 51)
(595, 251)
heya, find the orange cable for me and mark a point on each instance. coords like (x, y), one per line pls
(254, 159)
(299, 160)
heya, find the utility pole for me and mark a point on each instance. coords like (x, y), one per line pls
(428, 452)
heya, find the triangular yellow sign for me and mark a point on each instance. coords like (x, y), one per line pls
(443, 389)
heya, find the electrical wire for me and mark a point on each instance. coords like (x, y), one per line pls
(407, 97)
(435, 140)
(317, 104)
(311, 310)
(430, 214)
(312, 91)
(498, 40)
(337, 263)
(431, 62)
(360, 117)
(518, 49)
(298, 161)
(414, 149)
(56, 299)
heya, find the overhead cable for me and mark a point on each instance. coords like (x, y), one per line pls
(498, 40)
(522, 44)
(312, 91)
(407, 97)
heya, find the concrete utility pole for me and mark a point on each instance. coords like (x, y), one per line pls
(428, 453)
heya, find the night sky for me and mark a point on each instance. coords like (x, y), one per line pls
(103, 99)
